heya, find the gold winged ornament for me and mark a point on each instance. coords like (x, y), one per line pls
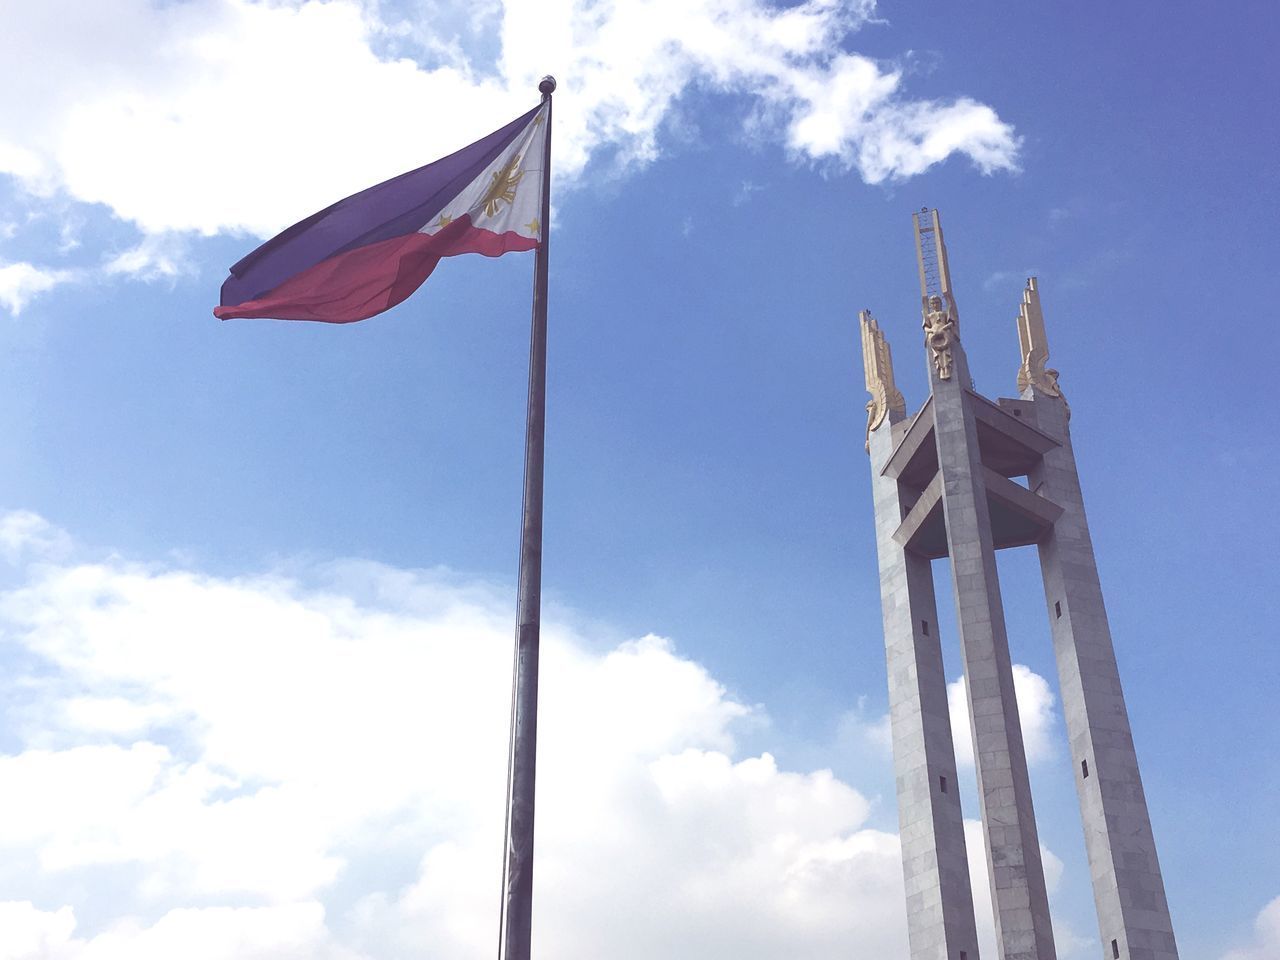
(877, 365)
(1035, 345)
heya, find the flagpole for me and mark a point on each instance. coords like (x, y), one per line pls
(517, 912)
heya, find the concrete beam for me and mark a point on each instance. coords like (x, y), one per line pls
(923, 531)
(1008, 444)
(914, 458)
(1018, 516)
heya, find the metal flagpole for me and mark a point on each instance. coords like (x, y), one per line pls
(517, 911)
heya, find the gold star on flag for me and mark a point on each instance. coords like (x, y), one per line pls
(534, 227)
(444, 221)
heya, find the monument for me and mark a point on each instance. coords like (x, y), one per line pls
(945, 484)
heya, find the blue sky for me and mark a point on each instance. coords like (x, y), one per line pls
(258, 580)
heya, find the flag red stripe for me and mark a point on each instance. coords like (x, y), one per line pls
(365, 281)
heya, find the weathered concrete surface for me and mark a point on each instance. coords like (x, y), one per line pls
(1024, 930)
(940, 918)
(1127, 885)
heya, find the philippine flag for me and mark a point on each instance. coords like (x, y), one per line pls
(368, 252)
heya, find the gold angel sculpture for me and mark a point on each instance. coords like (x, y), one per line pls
(941, 330)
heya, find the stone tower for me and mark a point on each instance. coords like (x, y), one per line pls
(945, 485)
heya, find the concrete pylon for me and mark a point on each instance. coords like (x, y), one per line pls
(943, 484)
(935, 865)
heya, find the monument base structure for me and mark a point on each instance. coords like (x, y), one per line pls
(946, 484)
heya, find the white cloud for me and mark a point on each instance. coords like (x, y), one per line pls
(20, 282)
(857, 733)
(24, 534)
(291, 932)
(279, 767)
(1266, 943)
(32, 934)
(311, 766)
(233, 115)
(1035, 713)
(157, 257)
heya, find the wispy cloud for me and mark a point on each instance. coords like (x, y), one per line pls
(25, 536)
(155, 257)
(745, 189)
(69, 235)
(21, 282)
(1011, 279)
(158, 257)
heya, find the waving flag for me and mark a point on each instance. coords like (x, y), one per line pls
(370, 251)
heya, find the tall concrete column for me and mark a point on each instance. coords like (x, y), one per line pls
(1133, 914)
(940, 917)
(1024, 929)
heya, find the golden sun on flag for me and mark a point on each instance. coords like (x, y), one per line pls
(502, 189)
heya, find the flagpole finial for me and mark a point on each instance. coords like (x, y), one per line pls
(547, 86)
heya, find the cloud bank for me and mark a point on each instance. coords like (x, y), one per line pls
(311, 765)
(213, 116)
